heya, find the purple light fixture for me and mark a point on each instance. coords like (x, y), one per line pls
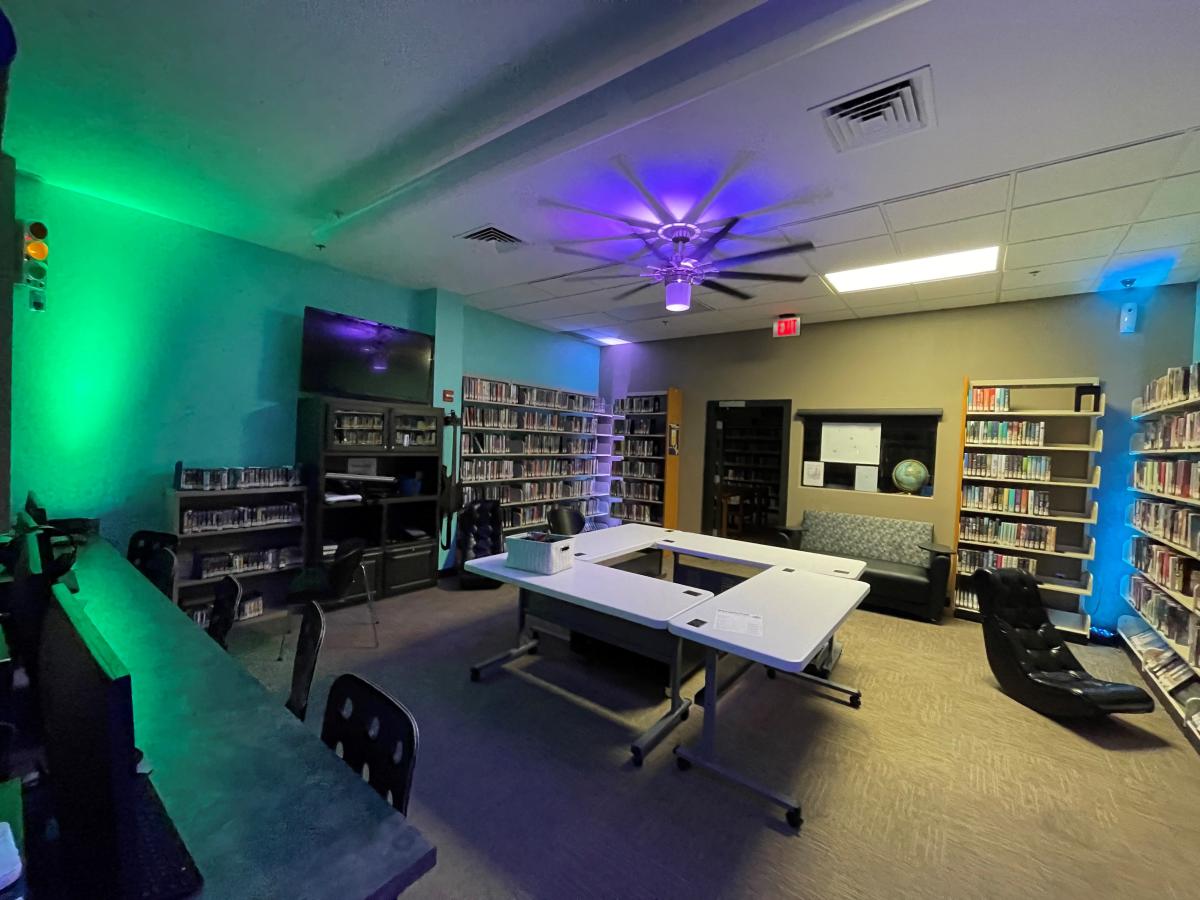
(679, 296)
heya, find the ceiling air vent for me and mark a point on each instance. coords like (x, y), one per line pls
(881, 112)
(490, 234)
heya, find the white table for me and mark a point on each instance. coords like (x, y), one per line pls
(781, 618)
(621, 608)
(636, 611)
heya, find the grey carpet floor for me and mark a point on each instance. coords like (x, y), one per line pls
(939, 786)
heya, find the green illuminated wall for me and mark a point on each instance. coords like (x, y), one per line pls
(164, 342)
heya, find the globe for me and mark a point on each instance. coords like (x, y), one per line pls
(910, 475)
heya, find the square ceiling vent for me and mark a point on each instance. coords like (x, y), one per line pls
(881, 112)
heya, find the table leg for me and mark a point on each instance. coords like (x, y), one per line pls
(704, 756)
(678, 712)
(522, 648)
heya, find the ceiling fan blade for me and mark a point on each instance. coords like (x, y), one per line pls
(631, 236)
(628, 220)
(633, 290)
(709, 243)
(653, 202)
(765, 254)
(570, 251)
(626, 276)
(725, 289)
(654, 245)
(762, 276)
(704, 202)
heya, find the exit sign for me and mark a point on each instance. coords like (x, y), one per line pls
(786, 327)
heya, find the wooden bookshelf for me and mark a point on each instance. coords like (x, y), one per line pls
(533, 447)
(1028, 464)
(1163, 554)
(646, 433)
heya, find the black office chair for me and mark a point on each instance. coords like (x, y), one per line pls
(153, 553)
(331, 584)
(480, 533)
(224, 609)
(368, 728)
(308, 648)
(1030, 659)
(565, 520)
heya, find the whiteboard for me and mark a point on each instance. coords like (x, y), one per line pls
(851, 442)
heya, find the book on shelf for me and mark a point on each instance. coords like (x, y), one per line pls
(989, 399)
(1172, 431)
(969, 560)
(1170, 569)
(1180, 383)
(1177, 477)
(965, 598)
(1019, 535)
(1018, 433)
(1166, 521)
(1000, 499)
(230, 478)
(206, 521)
(1007, 465)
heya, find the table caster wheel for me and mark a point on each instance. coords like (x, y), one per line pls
(770, 673)
(856, 700)
(793, 817)
(682, 764)
(637, 756)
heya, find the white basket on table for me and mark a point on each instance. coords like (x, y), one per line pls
(542, 556)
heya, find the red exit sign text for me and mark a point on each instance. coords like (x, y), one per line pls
(786, 327)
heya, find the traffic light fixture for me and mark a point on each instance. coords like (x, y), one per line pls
(35, 252)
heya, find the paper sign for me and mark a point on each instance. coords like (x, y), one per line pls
(866, 478)
(814, 474)
(739, 623)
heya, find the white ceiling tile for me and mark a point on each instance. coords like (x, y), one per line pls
(1189, 159)
(958, 287)
(851, 226)
(1085, 245)
(1038, 292)
(770, 292)
(579, 323)
(965, 234)
(767, 311)
(1054, 273)
(1166, 265)
(831, 316)
(1183, 276)
(1097, 172)
(857, 300)
(1172, 232)
(891, 309)
(1174, 197)
(944, 206)
(852, 255)
(1102, 210)
(507, 296)
(956, 302)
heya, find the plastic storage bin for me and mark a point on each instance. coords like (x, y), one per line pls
(543, 557)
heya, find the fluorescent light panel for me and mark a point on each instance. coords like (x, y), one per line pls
(611, 341)
(915, 271)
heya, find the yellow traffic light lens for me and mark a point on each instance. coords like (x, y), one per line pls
(37, 250)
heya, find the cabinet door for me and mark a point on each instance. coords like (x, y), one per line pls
(356, 426)
(409, 568)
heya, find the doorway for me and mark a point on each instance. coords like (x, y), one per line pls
(745, 467)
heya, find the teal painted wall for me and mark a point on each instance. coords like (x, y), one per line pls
(162, 342)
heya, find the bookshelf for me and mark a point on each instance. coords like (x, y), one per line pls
(1163, 551)
(249, 522)
(1029, 470)
(532, 447)
(645, 466)
(375, 472)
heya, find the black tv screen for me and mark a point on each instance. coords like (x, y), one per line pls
(354, 357)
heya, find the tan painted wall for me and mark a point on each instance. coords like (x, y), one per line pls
(919, 360)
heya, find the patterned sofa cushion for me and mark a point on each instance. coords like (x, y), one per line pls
(866, 537)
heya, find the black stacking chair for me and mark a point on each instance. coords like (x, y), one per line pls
(153, 554)
(368, 728)
(565, 520)
(331, 584)
(308, 648)
(1032, 662)
(480, 533)
(224, 609)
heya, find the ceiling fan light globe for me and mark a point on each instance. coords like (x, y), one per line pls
(679, 296)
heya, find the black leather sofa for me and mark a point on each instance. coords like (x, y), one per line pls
(1032, 662)
(906, 570)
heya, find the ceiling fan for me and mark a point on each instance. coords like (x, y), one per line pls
(681, 248)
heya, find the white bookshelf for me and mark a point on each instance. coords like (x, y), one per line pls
(1164, 515)
(1066, 413)
(533, 446)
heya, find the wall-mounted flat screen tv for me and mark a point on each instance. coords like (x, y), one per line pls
(353, 357)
